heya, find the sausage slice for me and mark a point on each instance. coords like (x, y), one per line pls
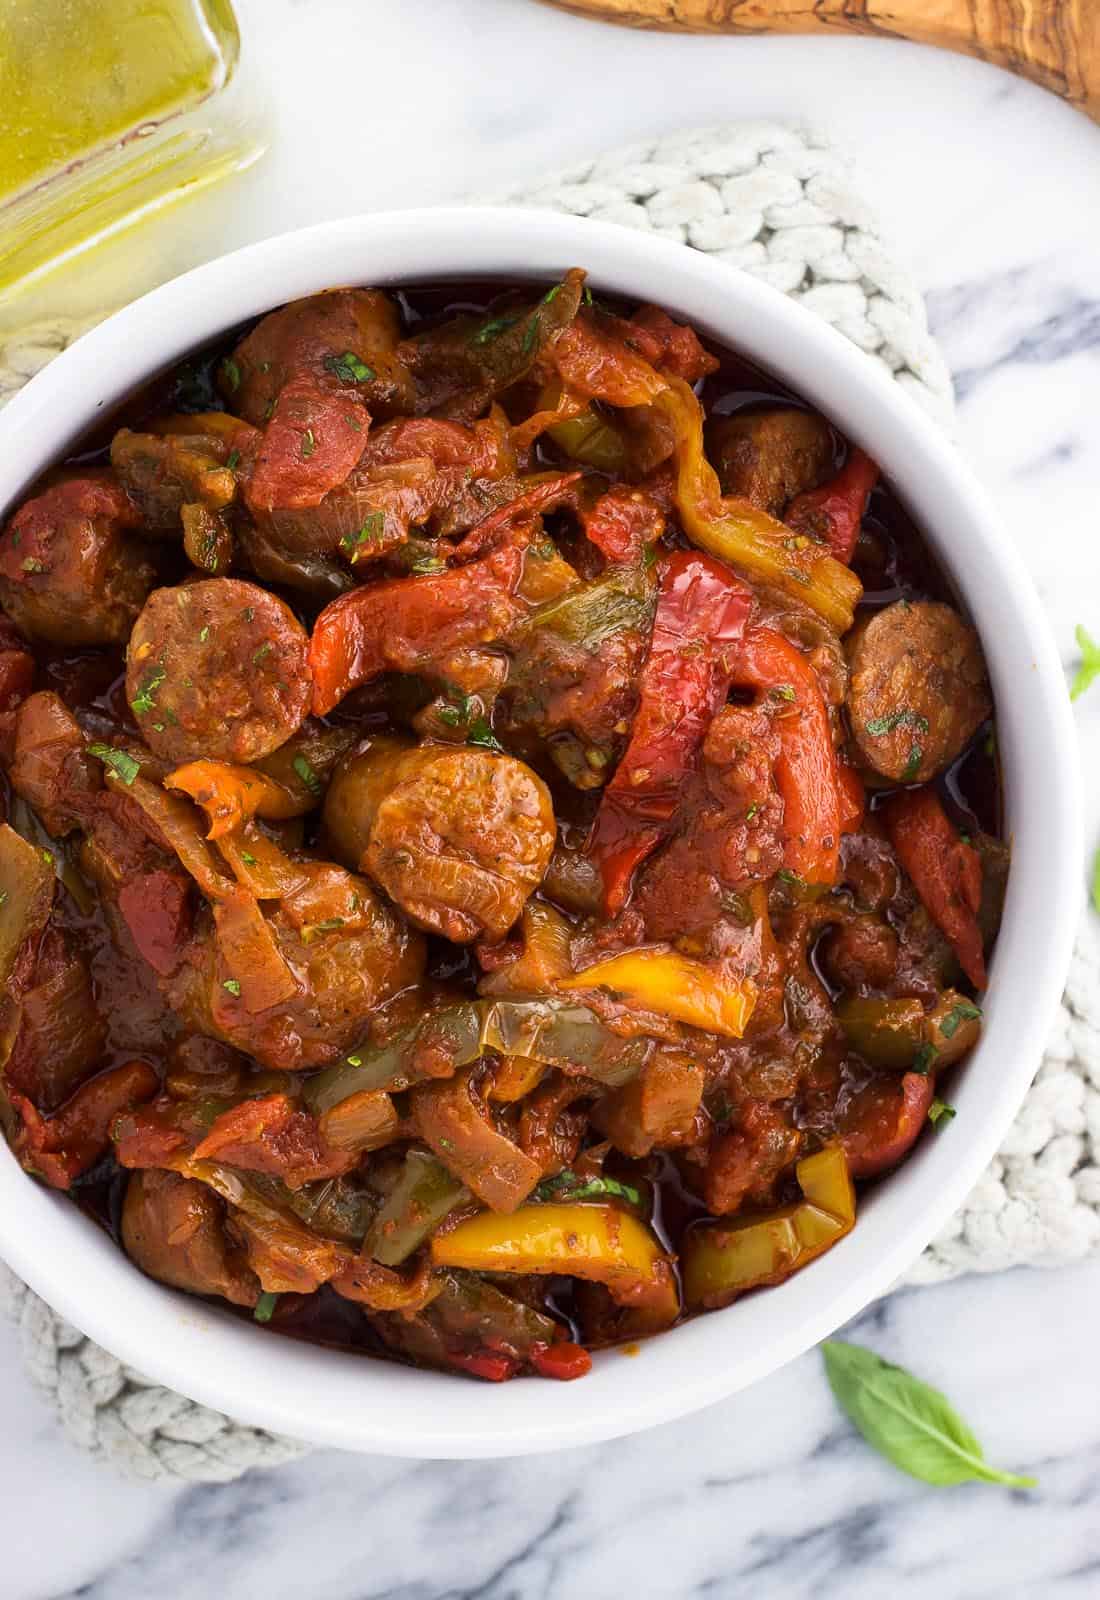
(770, 456)
(217, 669)
(457, 837)
(917, 689)
(69, 571)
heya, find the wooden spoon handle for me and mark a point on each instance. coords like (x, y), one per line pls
(1055, 43)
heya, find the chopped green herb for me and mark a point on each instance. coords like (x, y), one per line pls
(145, 698)
(309, 444)
(264, 650)
(204, 634)
(924, 1059)
(963, 1012)
(940, 1112)
(232, 374)
(265, 1305)
(269, 410)
(234, 460)
(159, 727)
(348, 368)
(47, 856)
(1089, 669)
(785, 875)
(121, 763)
(649, 556)
(248, 858)
(446, 1144)
(586, 297)
(354, 1061)
(31, 565)
(493, 329)
(907, 1421)
(567, 1185)
(307, 774)
(751, 812)
(480, 733)
(421, 565)
(783, 691)
(17, 539)
(912, 765)
(451, 716)
(897, 719)
(329, 925)
(544, 550)
(232, 986)
(373, 528)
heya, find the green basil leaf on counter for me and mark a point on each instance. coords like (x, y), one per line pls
(907, 1421)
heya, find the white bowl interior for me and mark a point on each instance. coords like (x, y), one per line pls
(340, 1399)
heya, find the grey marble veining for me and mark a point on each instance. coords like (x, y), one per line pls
(991, 187)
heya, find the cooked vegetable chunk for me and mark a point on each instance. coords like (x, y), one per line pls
(69, 571)
(458, 838)
(918, 689)
(217, 670)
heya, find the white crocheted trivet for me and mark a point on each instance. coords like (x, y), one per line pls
(778, 202)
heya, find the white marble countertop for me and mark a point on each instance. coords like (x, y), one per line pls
(989, 187)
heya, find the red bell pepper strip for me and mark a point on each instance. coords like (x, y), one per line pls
(563, 1360)
(806, 768)
(852, 796)
(945, 871)
(833, 513)
(883, 1121)
(63, 1146)
(702, 609)
(404, 624)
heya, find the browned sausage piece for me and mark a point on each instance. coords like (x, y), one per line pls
(217, 669)
(69, 572)
(917, 689)
(770, 456)
(457, 837)
(173, 1228)
(345, 339)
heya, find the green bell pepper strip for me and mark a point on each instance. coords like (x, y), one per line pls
(555, 1031)
(424, 1194)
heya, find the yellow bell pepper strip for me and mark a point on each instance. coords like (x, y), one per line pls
(556, 1032)
(599, 1242)
(232, 795)
(721, 1260)
(674, 986)
(740, 533)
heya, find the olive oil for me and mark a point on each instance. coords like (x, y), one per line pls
(109, 109)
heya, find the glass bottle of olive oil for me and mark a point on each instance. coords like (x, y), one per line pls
(110, 109)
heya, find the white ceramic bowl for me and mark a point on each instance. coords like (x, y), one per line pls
(344, 1400)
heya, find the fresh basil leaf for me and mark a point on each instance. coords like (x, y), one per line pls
(567, 1185)
(907, 1421)
(265, 1305)
(1089, 669)
(481, 734)
(121, 762)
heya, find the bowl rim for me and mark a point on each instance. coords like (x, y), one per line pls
(333, 1398)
